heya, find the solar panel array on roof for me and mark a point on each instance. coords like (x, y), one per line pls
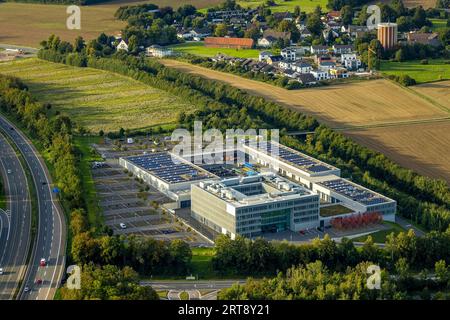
(162, 166)
(353, 192)
(297, 159)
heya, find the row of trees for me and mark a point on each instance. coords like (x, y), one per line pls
(315, 281)
(260, 257)
(109, 283)
(425, 200)
(52, 132)
(143, 254)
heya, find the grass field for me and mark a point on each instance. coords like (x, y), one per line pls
(438, 24)
(334, 210)
(201, 262)
(28, 24)
(89, 192)
(198, 48)
(380, 236)
(282, 6)
(435, 70)
(96, 99)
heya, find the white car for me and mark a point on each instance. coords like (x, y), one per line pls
(9, 171)
(1, 271)
(123, 226)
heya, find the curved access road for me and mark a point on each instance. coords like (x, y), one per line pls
(50, 241)
(15, 222)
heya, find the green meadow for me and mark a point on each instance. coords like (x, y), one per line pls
(436, 69)
(199, 49)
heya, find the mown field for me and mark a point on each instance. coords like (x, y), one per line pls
(198, 48)
(28, 24)
(436, 69)
(438, 91)
(95, 99)
(438, 24)
(424, 148)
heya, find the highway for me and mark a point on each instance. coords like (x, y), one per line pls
(50, 242)
(15, 222)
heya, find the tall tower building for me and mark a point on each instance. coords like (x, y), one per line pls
(387, 34)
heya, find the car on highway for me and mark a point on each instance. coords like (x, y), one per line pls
(26, 289)
(43, 262)
(1, 271)
(123, 226)
(9, 171)
(38, 281)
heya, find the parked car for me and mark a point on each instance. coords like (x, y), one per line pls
(1, 271)
(123, 226)
(43, 262)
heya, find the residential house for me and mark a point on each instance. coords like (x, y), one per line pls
(431, 39)
(305, 33)
(273, 59)
(200, 33)
(319, 49)
(339, 73)
(306, 79)
(283, 16)
(334, 15)
(289, 53)
(159, 51)
(263, 55)
(350, 61)
(355, 31)
(285, 64)
(270, 36)
(289, 73)
(326, 65)
(301, 67)
(329, 34)
(320, 75)
(123, 45)
(342, 48)
(224, 42)
(318, 58)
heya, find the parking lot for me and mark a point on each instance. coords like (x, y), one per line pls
(126, 200)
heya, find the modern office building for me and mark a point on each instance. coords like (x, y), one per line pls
(172, 178)
(387, 34)
(323, 179)
(251, 206)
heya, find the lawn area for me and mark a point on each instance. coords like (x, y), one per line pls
(201, 263)
(380, 236)
(334, 210)
(88, 155)
(282, 6)
(96, 99)
(199, 49)
(435, 70)
(438, 24)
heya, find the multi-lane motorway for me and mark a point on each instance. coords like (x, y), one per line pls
(15, 222)
(50, 241)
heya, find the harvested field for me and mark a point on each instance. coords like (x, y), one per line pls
(438, 91)
(28, 24)
(95, 99)
(362, 103)
(424, 148)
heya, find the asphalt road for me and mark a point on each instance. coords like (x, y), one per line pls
(50, 242)
(15, 222)
(190, 285)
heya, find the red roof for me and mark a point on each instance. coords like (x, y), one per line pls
(222, 41)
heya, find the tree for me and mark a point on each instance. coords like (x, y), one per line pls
(297, 11)
(442, 272)
(400, 55)
(221, 30)
(347, 15)
(79, 44)
(133, 45)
